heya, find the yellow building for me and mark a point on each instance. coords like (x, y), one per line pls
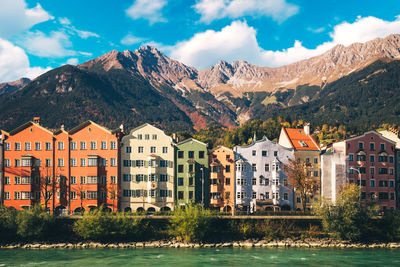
(147, 159)
(306, 150)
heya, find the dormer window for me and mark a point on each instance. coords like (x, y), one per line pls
(302, 143)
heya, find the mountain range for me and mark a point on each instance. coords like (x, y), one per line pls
(132, 87)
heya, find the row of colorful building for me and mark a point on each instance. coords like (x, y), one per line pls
(146, 170)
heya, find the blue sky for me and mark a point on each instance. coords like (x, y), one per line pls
(38, 35)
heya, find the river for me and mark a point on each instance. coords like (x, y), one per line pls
(201, 257)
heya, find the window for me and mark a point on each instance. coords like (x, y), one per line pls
(17, 146)
(25, 180)
(201, 154)
(7, 195)
(128, 149)
(254, 167)
(391, 171)
(17, 195)
(126, 177)
(372, 170)
(83, 162)
(383, 196)
(383, 171)
(360, 145)
(82, 195)
(191, 154)
(254, 181)
(92, 180)
(163, 178)
(180, 154)
(391, 159)
(180, 194)
(254, 153)
(275, 153)
(163, 193)
(285, 182)
(73, 162)
(351, 170)
(191, 195)
(91, 194)
(254, 195)
(103, 145)
(25, 195)
(382, 158)
(391, 183)
(113, 179)
(154, 136)
(47, 162)
(147, 137)
(6, 180)
(382, 147)
(315, 173)
(372, 146)
(140, 149)
(141, 178)
(153, 149)
(140, 163)
(60, 145)
(103, 179)
(93, 145)
(165, 149)
(92, 162)
(372, 158)
(227, 181)
(27, 146)
(180, 181)
(351, 157)
(73, 145)
(191, 167)
(38, 162)
(383, 183)
(139, 136)
(227, 168)
(73, 180)
(302, 143)
(113, 145)
(73, 195)
(391, 196)
(264, 153)
(153, 177)
(6, 163)
(103, 162)
(113, 162)
(315, 160)
(180, 168)
(83, 145)
(286, 196)
(362, 169)
(266, 181)
(38, 146)
(266, 195)
(372, 183)
(60, 162)
(7, 146)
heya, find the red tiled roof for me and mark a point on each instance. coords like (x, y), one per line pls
(299, 140)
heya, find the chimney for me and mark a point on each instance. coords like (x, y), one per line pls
(62, 127)
(174, 137)
(307, 128)
(121, 127)
(36, 120)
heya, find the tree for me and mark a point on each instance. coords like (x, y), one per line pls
(114, 192)
(349, 218)
(299, 177)
(48, 184)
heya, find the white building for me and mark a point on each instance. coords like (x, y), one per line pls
(260, 181)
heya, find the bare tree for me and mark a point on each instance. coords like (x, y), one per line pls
(115, 193)
(299, 177)
(48, 184)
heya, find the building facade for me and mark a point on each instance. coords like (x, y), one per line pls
(261, 183)
(222, 179)
(41, 167)
(192, 173)
(94, 175)
(148, 175)
(307, 152)
(2, 137)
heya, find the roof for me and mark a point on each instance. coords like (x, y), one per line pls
(264, 139)
(299, 140)
(371, 132)
(191, 139)
(89, 122)
(28, 124)
(223, 147)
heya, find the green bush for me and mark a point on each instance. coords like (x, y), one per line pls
(101, 226)
(390, 225)
(350, 218)
(192, 223)
(34, 223)
(8, 226)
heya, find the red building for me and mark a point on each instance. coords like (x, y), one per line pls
(41, 167)
(371, 162)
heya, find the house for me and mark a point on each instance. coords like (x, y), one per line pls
(306, 151)
(261, 184)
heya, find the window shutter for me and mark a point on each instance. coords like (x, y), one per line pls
(170, 164)
(145, 177)
(145, 193)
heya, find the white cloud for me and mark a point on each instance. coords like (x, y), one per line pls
(211, 10)
(73, 30)
(16, 17)
(14, 63)
(54, 45)
(238, 41)
(64, 21)
(147, 9)
(130, 39)
(72, 61)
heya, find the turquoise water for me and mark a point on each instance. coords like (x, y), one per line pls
(201, 257)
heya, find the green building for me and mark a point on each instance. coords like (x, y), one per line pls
(191, 184)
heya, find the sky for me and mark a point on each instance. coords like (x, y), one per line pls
(39, 35)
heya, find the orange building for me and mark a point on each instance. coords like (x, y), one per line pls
(40, 166)
(94, 164)
(222, 179)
